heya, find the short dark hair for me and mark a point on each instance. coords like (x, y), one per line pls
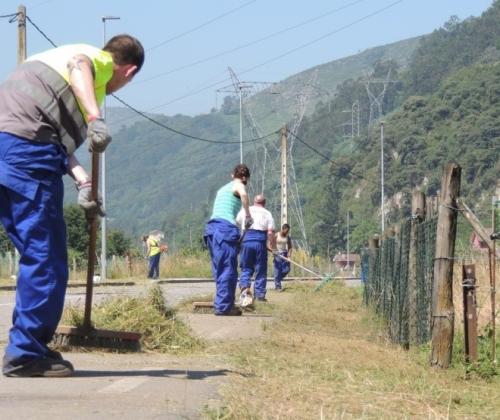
(285, 226)
(126, 49)
(241, 170)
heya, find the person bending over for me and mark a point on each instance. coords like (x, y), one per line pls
(48, 106)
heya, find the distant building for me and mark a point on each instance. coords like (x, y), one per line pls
(346, 262)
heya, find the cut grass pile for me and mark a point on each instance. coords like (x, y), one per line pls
(161, 330)
(326, 356)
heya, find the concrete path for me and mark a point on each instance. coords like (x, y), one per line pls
(128, 386)
(139, 386)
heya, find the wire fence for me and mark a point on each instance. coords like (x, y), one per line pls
(387, 288)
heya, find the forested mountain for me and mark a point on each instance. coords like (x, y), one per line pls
(440, 102)
(446, 108)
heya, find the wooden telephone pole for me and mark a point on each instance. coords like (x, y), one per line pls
(284, 176)
(21, 34)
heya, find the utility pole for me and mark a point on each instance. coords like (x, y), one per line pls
(348, 248)
(284, 195)
(241, 123)
(355, 119)
(382, 215)
(21, 34)
(103, 177)
(21, 56)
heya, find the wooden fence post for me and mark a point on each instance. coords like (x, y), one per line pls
(470, 312)
(418, 211)
(442, 292)
(74, 267)
(373, 245)
(428, 207)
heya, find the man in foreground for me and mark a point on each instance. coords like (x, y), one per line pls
(222, 238)
(48, 106)
(253, 256)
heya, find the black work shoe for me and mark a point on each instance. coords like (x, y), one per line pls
(45, 367)
(234, 311)
(261, 299)
(54, 355)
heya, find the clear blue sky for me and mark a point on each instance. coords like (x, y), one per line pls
(156, 21)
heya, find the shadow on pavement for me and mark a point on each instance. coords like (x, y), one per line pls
(187, 374)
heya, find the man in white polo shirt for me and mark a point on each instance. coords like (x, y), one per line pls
(253, 254)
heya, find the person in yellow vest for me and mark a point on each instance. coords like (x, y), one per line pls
(153, 251)
(48, 107)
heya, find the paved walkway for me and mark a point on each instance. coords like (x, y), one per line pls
(128, 386)
(125, 386)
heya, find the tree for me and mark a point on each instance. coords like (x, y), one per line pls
(76, 229)
(5, 243)
(118, 242)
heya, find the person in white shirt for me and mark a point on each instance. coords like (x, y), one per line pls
(253, 254)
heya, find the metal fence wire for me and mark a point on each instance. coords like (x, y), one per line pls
(387, 287)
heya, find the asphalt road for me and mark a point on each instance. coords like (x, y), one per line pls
(126, 386)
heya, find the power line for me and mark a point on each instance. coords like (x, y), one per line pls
(173, 130)
(202, 25)
(278, 57)
(326, 157)
(251, 43)
(12, 16)
(40, 31)
(158, 123)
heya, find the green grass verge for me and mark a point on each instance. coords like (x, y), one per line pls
(327, 356)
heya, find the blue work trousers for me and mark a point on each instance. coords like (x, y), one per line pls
(222, 240)
(281, 269)
(253, 259)
(31, 211)
(154, 266)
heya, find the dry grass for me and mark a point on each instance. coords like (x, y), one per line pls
(328, 357)
(161, 330)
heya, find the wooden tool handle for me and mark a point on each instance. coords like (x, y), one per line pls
(91, 257)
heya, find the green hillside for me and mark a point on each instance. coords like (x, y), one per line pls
(271, 110)
(442, 105)
(456, 121)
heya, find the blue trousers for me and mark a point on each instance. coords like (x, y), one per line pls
(154, 266)
(281, 269)
(253, 259)
(31, 211)
(221, 238)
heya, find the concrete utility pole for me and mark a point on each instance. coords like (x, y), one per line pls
(21, 57)
(21, 34)
(348, 247)
(241, 124)
(382, 198)
(103, 177)
(284, 176)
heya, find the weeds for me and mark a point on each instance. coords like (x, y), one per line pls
(161, 330)
(326, 356)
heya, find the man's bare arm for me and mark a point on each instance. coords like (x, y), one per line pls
(76, 170)
(81, 80)
(271, 236)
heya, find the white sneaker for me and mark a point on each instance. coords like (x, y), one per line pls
(246, 298)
